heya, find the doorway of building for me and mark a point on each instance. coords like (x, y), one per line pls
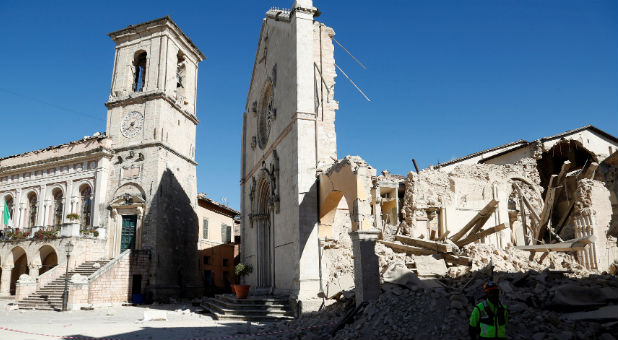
(127, 240)
(264, 239)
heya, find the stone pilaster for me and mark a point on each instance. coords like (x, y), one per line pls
(5, 281)
(366, 269)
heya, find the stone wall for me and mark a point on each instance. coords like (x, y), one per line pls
(446, 201)
(113, 284)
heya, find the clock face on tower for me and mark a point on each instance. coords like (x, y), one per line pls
(132, 124)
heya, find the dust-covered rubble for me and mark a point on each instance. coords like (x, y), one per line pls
(548, 297)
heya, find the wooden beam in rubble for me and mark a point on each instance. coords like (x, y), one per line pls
(572, 245)
(484, 233)
(481, 216)
(431, 245)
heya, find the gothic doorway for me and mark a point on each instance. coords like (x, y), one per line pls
(127, 239)
(264, 236)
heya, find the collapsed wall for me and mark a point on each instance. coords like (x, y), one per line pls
(439, 203)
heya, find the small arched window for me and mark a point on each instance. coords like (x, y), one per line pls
(139, 75)
(58, 206)
(86, 205)
(181, 71)
(32, 209)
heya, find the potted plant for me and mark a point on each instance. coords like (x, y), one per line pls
(240, 270)
(73, 217)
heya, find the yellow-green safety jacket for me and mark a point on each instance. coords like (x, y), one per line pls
(491, 320)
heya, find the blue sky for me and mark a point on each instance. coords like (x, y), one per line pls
(445, 78)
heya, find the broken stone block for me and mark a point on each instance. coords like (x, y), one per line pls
(155, 315)
(607, 313)
(402, 276)
(506, 287)
(339, 284)
(573, 297)
(79, 279)
(430, 265)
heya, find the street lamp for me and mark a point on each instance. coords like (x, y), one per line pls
(69, 248)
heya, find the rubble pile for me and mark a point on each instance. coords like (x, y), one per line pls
(542, 305)
(512, 260)
(549, 296)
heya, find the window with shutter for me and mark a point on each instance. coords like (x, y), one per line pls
(226, 233)
(223, 233)
(205, 229)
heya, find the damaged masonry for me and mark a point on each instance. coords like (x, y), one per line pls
(330, 246)
(336, 238)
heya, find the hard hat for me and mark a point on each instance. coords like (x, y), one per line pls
(489, 286)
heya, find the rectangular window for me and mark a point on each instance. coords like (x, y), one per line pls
(225, 262)
(206, 259)
(226, 233)
(205, 229)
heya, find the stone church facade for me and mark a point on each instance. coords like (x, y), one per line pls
(298, 201)
(134, 187)
(288, 134)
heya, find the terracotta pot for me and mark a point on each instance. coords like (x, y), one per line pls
(242, 291)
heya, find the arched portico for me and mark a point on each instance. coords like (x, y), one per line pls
(15, 264)
(48, 258)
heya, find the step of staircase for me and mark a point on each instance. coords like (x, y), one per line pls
(50, 296)
(254, 308)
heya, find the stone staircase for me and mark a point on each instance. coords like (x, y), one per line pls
(49, 297)
(253, 308)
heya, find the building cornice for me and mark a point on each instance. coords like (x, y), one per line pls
(167, 22)
(141, 98)
(156, 144)
(97, 153)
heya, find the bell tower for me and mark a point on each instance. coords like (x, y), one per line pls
(151, 122)
(154, 84)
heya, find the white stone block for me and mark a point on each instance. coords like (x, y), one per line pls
(70, 230)
(155, 315)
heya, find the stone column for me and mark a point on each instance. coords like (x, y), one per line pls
(41, 214)
(366, 268)
(68, 207)
(21, 220)
(139, 228)
(99, 190)
(5, 281)
(46, 210)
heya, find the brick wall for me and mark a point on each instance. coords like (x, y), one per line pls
(114, 283)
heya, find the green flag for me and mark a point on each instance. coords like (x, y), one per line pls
(8, 221)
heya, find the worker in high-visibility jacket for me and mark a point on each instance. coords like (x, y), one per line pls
(489, 318)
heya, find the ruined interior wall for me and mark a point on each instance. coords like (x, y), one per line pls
(514, 156)
(593, 205)
(608, 174)
(462, 193)
(326, 105)
(599, 145)
(337, 260)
